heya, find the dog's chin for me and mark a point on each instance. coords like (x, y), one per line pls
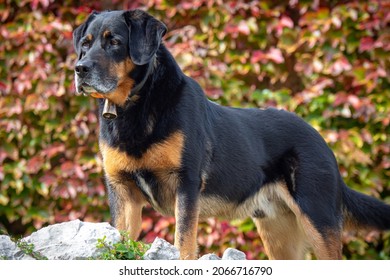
(85, 90)
(91, 89)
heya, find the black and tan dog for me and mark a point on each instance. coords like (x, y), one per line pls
(189, 157)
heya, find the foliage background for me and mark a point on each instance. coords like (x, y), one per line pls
(328, 61)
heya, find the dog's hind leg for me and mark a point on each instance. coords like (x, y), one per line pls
(290, 229)
(326, 245)
(321, 228)
(282, 238)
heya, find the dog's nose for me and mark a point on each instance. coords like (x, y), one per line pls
(83, 68)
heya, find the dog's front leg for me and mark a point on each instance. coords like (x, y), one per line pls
(126, 203)
(187, 214)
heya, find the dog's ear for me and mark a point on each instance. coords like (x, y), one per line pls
(79, 32)
(145, 34)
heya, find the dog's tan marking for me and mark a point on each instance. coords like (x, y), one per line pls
(335, 246)
(290, 232)
(325, 247)
(106, 33)
(163, 156)
(89, 37)
(285, 230)
(170, 182)
(129, 207)
(186, 232)
(187, 243)
(162, 159)
(282, 238)
(125, 83)
(264, 200)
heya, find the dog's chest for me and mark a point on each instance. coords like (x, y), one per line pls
(164, 155)
(159, 188)
(155, 172)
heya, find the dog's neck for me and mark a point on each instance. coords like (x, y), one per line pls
(156, 90)
(137, 88)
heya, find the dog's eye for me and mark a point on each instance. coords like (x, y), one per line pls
(114, 42)
(85, 45)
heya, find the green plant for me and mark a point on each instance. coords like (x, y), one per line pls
(28, 249)
(126, 249)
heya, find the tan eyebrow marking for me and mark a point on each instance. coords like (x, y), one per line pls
(106, 33)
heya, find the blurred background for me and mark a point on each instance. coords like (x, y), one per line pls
(327, 61)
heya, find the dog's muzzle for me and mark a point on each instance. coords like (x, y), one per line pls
(82, 70)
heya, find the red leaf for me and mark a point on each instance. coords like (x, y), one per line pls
(36, 103)
(3, 86)
(48, 179)
(214, 92)
(35, 164)
(366, 136)
(243, 28)
(257, 56)
(1, 173)
(286, 21)
(35, 3)
(341, 98)
(275, 55)
(67, 168)
(231, 29)
(150, 237)
(366, 44)
(3, 155)
(354, 101)
(53, 150)
(79, 171)
(163, 224)
(321, 84)
(340, 65)
(62, 192)
(71, 188)
(16, 108)
(186, 5)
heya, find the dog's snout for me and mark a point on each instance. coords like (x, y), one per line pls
(83, 68)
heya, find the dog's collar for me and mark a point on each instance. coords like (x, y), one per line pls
(109, 108)
(139, 86)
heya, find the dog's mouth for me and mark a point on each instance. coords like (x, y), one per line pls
(109, 109)
(88, 90)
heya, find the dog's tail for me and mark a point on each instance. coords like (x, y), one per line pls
(363, 211)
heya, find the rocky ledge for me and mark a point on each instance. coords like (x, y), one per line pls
(78, 240)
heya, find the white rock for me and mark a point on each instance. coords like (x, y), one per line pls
(7, 247)
(210, 257)
(162, 250)
(72, 240)
(10, 251)
(78, 240)
(233, 254)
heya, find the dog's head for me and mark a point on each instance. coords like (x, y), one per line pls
(110, 45)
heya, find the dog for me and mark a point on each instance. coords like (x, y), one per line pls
(167, 145)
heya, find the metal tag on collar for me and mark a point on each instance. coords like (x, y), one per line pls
(109, 110)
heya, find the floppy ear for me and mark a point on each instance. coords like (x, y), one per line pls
(145, 34)
(79, 32)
